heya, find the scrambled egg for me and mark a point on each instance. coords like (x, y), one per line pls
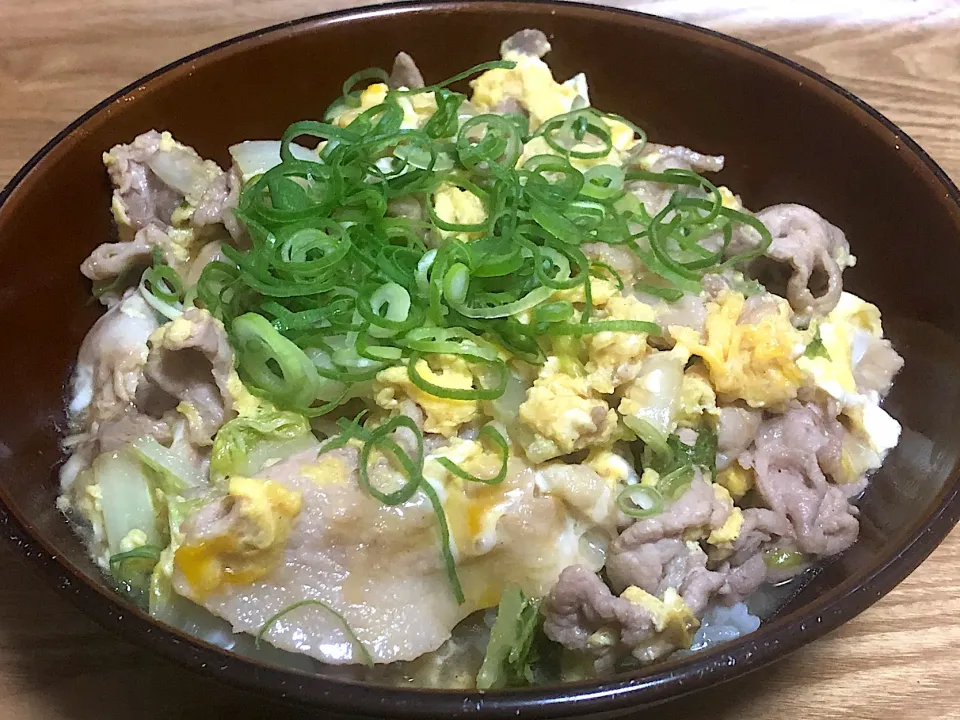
(531, 83)
(327, 470)
(601, 291)
(472, 509)
(245, 402)
(417, 108)
(754, 362)
(730, 530)
(844, 334)
(696, 397)
(649, 477)
(737, 480)
(443, 415)
(565, 413)
(612, 354)
(728, 199)
(610, 465)
(247, 547)
(458, 207)
(672, 619)
(179, 232)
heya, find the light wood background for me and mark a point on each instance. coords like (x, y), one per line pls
(898, 660)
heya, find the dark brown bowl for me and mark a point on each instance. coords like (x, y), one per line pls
(788, 134)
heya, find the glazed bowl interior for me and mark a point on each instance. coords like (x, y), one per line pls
(788, 136)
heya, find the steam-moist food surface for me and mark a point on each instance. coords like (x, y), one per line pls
(466, 389)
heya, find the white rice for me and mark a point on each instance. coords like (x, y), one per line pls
(723, 623)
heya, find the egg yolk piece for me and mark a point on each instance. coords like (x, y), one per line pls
(443, 415)
(755, 362)
(248, 542)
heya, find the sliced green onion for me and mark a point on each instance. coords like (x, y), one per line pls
(348, 631)
(479, 393)
(528, 301)
(449, 562)
(556, 311)
(674, 484)
(651, 437)
(149, 553)
(494, 435)
(783, 559)
(666, 293)
(596, 326)
(640, 501)
(413, 467)
(273, 363)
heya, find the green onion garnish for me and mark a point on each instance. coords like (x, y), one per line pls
(816, 348)
(496, 437)
(640, 501)
(782, 559)
(348, 631)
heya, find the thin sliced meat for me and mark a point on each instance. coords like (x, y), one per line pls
(105, 381)
(189, 366)
(110, 261)
(379, 565)
(405, 73)
(699, 507)
(816, 252)
(532, 43)
(663, 564)
(582, 614)
(787, 458)
(657, 158)
(120, 430)
(219, 200)
(689, 311)
(154, 174)
(622, 260)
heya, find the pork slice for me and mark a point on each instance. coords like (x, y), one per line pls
(144, 197)
(380, 566)
(741, 581)
(689, 311)
(698, 508)
(582, 614)
(658, 158)
(529, 42)
(668, 563)
(118, 431)
(190, 362)
(623, 260)
(405, 73)
(815, 251)
(219, 200)
(787, 458)
(110, 261)
(111, 359)
(104, 384)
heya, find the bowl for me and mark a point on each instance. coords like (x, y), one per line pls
(788, 135)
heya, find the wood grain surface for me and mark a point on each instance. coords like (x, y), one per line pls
(897, 660)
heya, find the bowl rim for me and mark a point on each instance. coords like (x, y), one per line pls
(660, 683)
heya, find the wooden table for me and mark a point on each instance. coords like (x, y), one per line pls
(897, 660)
